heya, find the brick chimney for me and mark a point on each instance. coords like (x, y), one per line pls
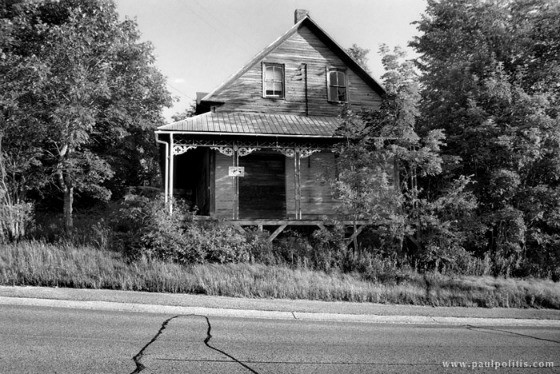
(300, 14)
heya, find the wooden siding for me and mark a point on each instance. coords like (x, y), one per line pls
(303, 55)
(262, 191)
(290, 188)
(224, 196)
(317, 174)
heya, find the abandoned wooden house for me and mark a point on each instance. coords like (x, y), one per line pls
(259, 149)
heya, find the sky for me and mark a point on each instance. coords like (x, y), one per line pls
(198, 44)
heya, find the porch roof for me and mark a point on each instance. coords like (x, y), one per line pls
(246, 123)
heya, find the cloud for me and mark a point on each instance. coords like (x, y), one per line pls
(178, 80)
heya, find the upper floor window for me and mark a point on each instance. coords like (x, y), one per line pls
(273, 80)
(337, 90)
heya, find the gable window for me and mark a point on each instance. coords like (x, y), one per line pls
(337, 90)
(273, 80)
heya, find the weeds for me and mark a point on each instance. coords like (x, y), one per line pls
(64, 265)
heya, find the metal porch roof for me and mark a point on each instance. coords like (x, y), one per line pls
(244, 123)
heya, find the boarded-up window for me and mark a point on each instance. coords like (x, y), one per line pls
(337, 85)
(273, 80)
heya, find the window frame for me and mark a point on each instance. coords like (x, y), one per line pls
(329, 84)
(264, 81)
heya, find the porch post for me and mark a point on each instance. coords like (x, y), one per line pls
(171, 153)
(166, 182)
(235, 183)
(297, 179)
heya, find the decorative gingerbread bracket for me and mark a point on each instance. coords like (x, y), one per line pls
(229, 151)
(303, 152)
(179, 149)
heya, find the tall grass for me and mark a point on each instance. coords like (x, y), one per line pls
(64, 265)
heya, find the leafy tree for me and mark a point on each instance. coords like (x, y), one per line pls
(80, 81)
(360, 55)
(489, 74)
(384, 162)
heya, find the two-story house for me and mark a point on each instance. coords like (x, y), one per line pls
(258, 152)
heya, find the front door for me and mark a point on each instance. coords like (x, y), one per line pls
(262, 191)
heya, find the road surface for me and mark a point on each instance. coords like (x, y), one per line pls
(60, 340)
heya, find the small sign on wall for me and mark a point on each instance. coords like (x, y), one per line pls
(236, 171)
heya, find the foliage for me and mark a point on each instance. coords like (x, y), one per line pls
(16, 215)
(82, 93)
(359, 54)
(384, 163)
(40, 264)
(142, 227)
(489, 73)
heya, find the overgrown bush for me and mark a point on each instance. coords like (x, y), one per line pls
(215, 242)
(15, 219)
(143, 227)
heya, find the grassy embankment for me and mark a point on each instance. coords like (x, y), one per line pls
(40, 264)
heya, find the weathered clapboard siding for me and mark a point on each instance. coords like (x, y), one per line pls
(317, 174)
(262, 191)
(224, 194)
(273, 172)
(290, 188)
(302, 51)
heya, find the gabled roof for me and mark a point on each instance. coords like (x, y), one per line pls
(246, 123)
(335, 47)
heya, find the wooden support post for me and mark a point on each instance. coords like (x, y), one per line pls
(170, 175)
(277, 232)
(297, 179)
(354, 235)
(239, 229)
(235, 184)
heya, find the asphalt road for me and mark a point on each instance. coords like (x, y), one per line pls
(59, 340)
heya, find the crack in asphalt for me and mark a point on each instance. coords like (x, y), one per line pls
(138, 357)
(471, 327)
(207, 340)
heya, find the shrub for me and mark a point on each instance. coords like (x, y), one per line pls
(261, 250)
(293, 248)
(329, 248)
(143, 227)
(215, 242)
(14, 219)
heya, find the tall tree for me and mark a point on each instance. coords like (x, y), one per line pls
(93, 95)
(384, 162)
(489, 72)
